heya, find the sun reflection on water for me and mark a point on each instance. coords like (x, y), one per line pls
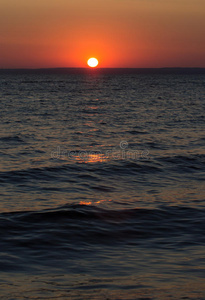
(94, 202)
(91, 158)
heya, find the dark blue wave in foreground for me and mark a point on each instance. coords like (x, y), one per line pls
(76, 225)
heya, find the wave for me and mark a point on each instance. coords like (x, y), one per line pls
(170, 168)
(185, 164)
(84, 224)
(12, 139)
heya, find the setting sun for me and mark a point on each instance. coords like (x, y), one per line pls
(92, 62)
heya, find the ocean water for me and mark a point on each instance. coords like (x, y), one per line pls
(102, 184)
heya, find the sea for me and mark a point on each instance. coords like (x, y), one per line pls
(102, 184)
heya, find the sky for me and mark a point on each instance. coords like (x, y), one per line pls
(119, 33)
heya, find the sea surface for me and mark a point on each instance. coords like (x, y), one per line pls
(102, 184)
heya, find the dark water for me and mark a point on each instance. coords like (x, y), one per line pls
(102, 184)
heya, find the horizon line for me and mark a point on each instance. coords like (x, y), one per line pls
(99, 68)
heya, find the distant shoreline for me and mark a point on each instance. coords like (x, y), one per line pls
(163, 70)
(88, 68)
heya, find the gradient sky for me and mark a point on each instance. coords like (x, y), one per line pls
(120, 33)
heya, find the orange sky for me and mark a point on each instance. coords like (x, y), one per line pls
(120, 33)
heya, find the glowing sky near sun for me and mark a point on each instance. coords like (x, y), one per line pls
(120, 33)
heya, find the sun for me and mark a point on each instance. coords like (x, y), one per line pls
(92, 62)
